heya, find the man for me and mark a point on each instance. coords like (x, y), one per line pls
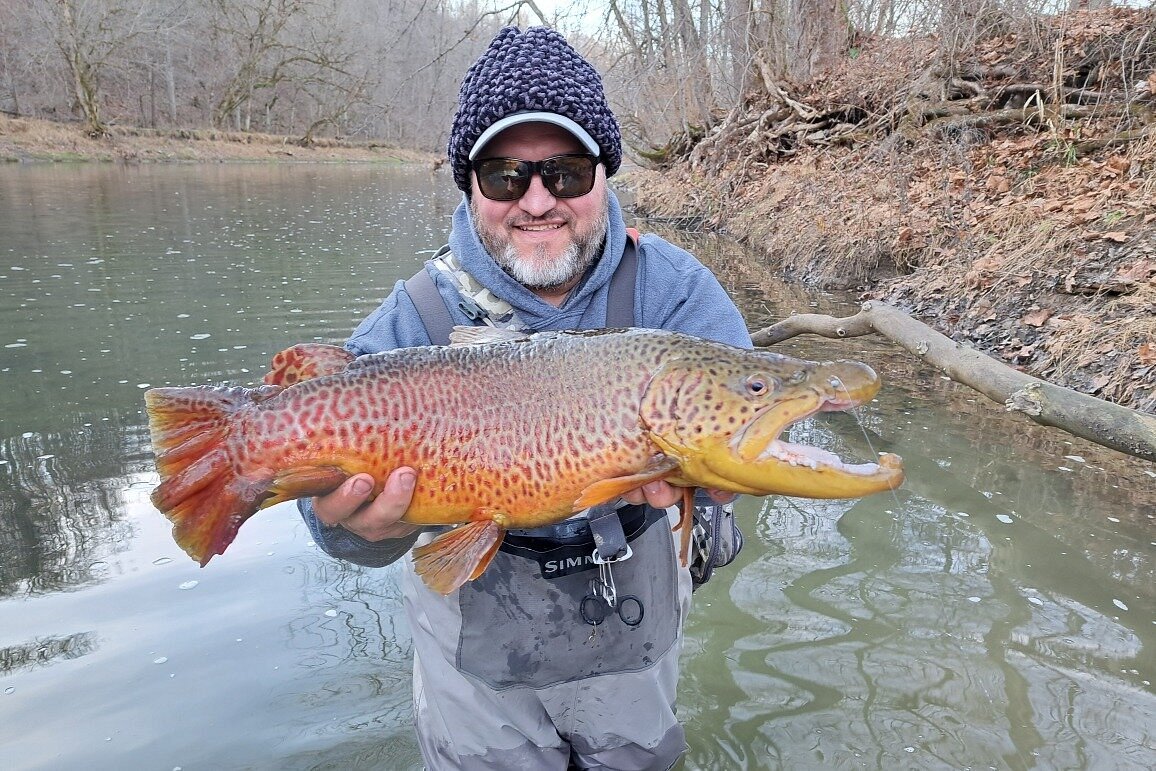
(547, 660)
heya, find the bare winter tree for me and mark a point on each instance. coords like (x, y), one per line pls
(817, 35)
(283, 50)
(94, 38)
(665, 60)
(679, 68)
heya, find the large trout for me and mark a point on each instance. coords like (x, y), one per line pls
(506, 430)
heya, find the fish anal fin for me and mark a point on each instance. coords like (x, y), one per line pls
(305, 481)
(306, 361)
(686, 524)
(609, 489)
(460, 555)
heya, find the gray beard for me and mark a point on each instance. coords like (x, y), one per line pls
(541, 274)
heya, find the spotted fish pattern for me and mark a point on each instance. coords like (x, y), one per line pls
(505, 430)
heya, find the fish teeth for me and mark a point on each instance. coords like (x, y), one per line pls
(805, 457)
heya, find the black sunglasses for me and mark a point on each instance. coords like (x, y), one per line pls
(508, 179)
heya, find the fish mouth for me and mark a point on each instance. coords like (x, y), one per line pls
(759, 438)
(805, 457)
(762, 463)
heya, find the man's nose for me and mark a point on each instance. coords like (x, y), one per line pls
(537, 200)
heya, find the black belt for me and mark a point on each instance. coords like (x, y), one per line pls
(568, 547)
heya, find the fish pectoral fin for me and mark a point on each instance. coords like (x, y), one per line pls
(461, 555)
(609, 489)
(304, 482)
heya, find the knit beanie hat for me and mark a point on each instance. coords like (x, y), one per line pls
(531, 76)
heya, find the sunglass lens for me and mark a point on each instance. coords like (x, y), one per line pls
(503, 179)
(568, 176)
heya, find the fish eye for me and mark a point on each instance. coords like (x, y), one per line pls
(757, 385)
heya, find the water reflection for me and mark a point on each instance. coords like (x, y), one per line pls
(61, 504)
(999, 610)
(43, 651)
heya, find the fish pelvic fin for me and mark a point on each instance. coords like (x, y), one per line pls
(200, 491)
(457, 556)
(306, 361)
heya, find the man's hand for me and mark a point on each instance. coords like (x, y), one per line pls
(374, 520)
(662, 494)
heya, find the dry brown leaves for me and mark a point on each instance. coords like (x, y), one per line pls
(1033, 240)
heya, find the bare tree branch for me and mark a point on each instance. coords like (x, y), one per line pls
(1096, 420)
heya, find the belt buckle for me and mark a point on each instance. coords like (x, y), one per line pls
(620, 557)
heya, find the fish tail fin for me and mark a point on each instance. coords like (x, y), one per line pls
(199, 491)
(457, 556)
(306, 361)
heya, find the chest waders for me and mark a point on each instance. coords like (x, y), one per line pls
(579, 669)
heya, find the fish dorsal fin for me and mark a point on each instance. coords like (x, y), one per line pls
(481, 335)
(306, 361)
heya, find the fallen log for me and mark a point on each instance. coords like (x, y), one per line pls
(1103, 422)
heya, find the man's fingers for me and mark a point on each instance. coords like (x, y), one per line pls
(661, 495)
(380, 518)
(339, 505)
(395, 497)
(653, 493)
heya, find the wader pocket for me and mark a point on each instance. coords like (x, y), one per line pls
(521, 629)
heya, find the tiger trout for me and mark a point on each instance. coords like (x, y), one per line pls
(505, 430)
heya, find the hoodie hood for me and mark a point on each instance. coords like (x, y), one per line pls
(588, 298)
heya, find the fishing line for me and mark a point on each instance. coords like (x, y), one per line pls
(837, 383)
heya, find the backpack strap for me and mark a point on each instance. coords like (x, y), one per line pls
(620, 295)
(426, 298)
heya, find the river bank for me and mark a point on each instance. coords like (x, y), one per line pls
(1004, 195)
(31, 140)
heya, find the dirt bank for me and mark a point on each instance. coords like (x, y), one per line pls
(24, 139)
(1004, 195)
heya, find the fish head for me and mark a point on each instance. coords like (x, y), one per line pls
(720, 413)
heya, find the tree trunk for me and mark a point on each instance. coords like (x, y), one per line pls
(170, 82)
(817, 36)
(83, 73)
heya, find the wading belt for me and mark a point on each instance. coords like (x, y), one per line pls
(605, 524)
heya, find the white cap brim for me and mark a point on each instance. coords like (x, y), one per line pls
(519, 118)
